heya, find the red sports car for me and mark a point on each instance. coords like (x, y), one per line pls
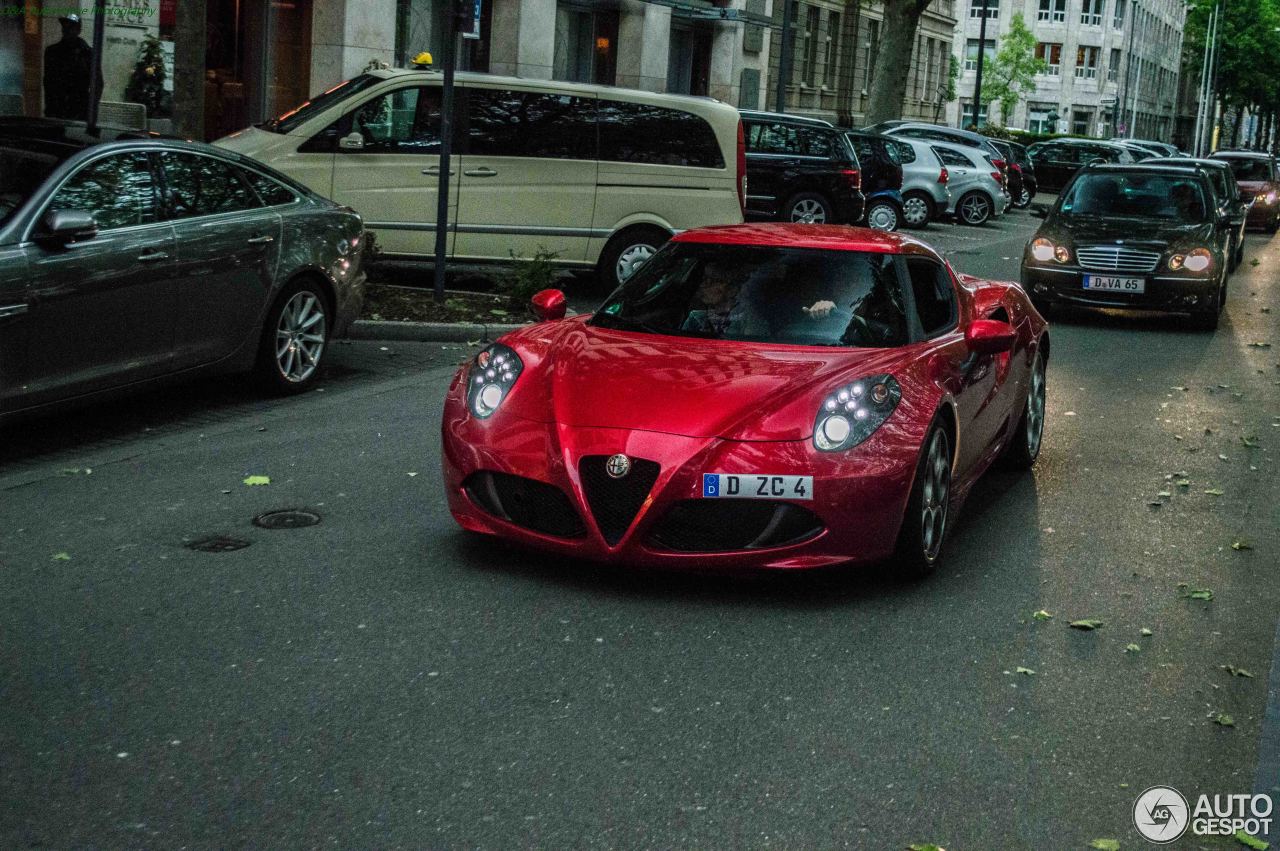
(759, 396)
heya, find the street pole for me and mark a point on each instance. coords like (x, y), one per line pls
(1197, 145)
(982, 54)
(95, 64)
(784, 57)
(449, 56)
(1213, 82)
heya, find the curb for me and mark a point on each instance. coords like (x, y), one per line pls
(427, 332)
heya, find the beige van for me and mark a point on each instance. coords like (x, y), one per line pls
(600, 176)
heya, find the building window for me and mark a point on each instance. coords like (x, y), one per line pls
(833, 49)
(1080, 121)
(1113, 70)
(1087, 62)
(929, 91)
(810, 54)
(873, 48)
(586, 45)
(1091, 12)
(966, 114)
(1038, 118)
(975, 8)
(971, 53)
(1118, 20)
(1051, 53)
(1054, 11)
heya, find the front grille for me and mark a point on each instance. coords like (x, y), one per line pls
(1117, 258)
(614, 502)
(725, 525)
(1246, 196)
(525, 502)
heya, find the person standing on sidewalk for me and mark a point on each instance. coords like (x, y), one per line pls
(68, 67)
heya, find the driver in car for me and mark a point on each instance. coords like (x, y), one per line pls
(720, 306)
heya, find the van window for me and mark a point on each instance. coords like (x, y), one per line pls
(404, 121)
(935, 297)
(501, 123)
(642, 133)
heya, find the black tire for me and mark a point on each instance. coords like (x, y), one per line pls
(1274, 224)
(1239, 254)
(1024, 199)
(885, 216)
(808, 208)
(974, 208)
(275, 369)
(625, 252)
(1024, 447)
(914, 201)
(924, 529)
(1207, 320)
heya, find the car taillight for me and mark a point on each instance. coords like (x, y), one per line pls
(998, 177)
(944, 175)
(998, 164)
(853, 176)
(742, 169)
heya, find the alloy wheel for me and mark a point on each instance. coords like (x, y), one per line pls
(1024, 198)
(915, 210)
(882, 217)
(300, 337)
(1035, 408)
(632, 258)
(809, 211)
(975, 209)
(936, 494)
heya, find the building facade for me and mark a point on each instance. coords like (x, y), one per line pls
(1113, 65)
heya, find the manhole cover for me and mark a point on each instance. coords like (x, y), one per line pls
(288, 518)
(217, 544)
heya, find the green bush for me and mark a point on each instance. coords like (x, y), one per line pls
(527, 277)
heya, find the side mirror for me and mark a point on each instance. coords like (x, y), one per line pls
(548, 305)
(62, 227)
(1040, 211)
(353, 141)
(989, 337)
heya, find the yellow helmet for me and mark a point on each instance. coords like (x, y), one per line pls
(422, 60)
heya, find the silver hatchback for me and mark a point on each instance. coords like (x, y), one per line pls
(925, 190)
(977, 185)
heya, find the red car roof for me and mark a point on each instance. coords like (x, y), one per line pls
(831, 237)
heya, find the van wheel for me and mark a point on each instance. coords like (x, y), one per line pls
(974, 208)
(626, 252)
(884, 216)
(917, 209)
(808, 208)
(294, 338)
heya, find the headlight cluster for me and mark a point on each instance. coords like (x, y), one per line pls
(851, 413)
(1044, 251)
(492, 375)
(1270, 197)
(1196, 260)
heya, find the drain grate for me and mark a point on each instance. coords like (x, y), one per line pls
(287, 518)
(217, 544)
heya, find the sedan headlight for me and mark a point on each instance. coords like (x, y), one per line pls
(1270, 197)
(1196, 260)
(1044, 251)
(492, 375)
(852, 412)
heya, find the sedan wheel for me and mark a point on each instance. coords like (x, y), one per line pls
(1024, 199)
(975, 208)
(293, 344)
(1024, 448)
(883, 217)
(915, 210)
(924, 527)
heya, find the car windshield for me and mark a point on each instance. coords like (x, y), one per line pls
(294, 118)
(1146, 196)
(798, 296)
(1249, 168)
(21, 173)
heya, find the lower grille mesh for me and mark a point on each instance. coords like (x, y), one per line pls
(525, 502)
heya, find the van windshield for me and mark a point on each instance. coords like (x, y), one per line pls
(296, 117)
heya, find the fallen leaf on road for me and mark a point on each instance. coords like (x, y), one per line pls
(1250, 841)
(1215, 491)
(1145, 631)
(1260, 345)
(1022, 670)
(925, 847)
(1222, 719)
(1251, 442)
(76, 471)
(411, 475)
(62, 557)
(1042, 615)
(1069, 414)
(1085, 624)
(1105, 845)
(1183, 483)
(257, 480)
(1179, 387)
(1241, 545)
(1133, 648)
(1187, 592)
(1236, 672)
(1221, 457)
(1164, 494)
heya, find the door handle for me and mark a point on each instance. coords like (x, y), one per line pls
(152, 256)
(434, 171)
(483, 171)
(262, 240)
(13, 310)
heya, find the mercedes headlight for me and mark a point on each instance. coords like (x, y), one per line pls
(1044, 251)
(492, 375)
(1196, 260)
(852, 412)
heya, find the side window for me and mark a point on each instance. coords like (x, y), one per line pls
(203, 186)
(642, 133)
(118, 190)
(816, 143)
(935, 296)
(271, 192)
(502, 123)
(771, 139)
(861, 146)
(404, 121)
(953, 158)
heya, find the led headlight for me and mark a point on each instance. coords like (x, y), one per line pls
(1196, 260)
(492, 375)
(852, 412)
(1044, 251)
(1270, 197)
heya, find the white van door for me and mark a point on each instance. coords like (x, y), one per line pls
(387, 168)
(528, 182)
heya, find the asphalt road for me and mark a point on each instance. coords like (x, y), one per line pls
(381, 680)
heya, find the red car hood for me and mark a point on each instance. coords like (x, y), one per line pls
(581, 375)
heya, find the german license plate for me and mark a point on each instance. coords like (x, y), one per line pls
(1115, 285)
(756, 486)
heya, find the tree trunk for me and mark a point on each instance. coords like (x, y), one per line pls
(1257, 129)
(189, 47)
(897, 40)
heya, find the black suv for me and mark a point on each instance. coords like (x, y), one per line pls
(800, 170)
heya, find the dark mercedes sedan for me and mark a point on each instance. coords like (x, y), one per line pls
(1132, 236)
(128, 258)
